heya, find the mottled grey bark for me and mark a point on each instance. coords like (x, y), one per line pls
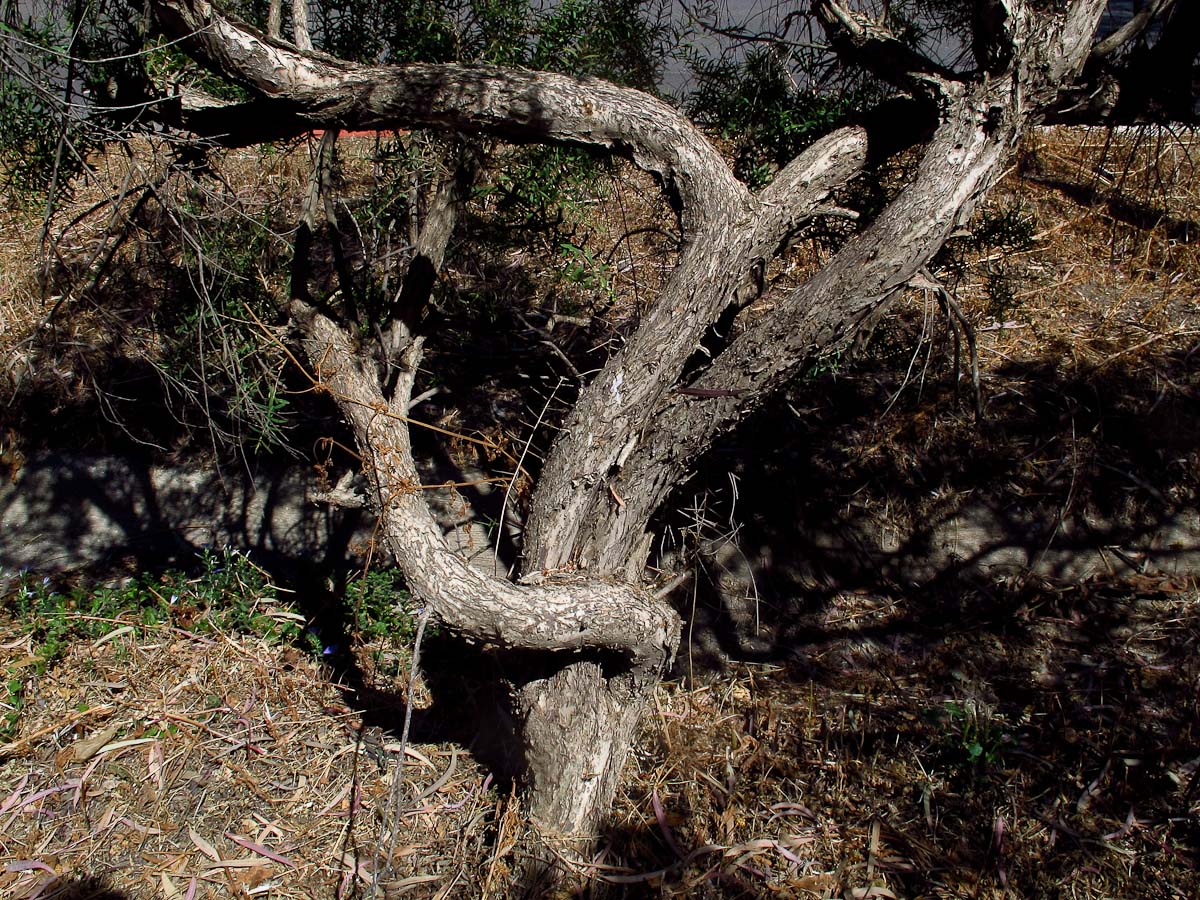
(640, 425)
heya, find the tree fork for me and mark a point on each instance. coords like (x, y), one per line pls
(601, 641)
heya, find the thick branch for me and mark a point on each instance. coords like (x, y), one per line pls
(716, 270)
(572, 614)
(517, 105)
(441, 214)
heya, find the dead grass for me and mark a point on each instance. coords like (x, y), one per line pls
(1055, 755)
(1012, 740)
(164, 763)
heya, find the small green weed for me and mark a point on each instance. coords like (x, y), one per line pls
(230, 593)
(1009, 228)
(379, 606)
(382, 614)
(585, 272)
(1000, 288)
(14, 700)
(973, 739)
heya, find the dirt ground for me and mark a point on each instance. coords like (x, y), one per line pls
(834, 734)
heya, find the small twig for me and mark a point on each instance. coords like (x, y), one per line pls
(423, 396)
(394, 800)
(670, 586)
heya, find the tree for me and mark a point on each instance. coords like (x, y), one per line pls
(591, 638)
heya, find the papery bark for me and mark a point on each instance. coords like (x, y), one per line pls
(594, 639)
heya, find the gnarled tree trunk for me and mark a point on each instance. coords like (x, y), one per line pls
(579, 607)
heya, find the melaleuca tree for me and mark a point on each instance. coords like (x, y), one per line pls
(951, 85)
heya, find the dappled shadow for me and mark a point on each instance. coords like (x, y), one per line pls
(1074, 473)
(970, 606)
(967, 645)
(1122, 208)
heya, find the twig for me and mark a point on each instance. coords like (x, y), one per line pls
(393, 822)
(516, 474)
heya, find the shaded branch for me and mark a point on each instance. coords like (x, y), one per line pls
(823, 315)
(1131, 30)
(517, 105)
(1151, 83)
(451, 192)
(991, 34)
(716, 270)
(861, 40)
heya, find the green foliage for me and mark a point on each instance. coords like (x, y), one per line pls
(1000, 288)
(613, 39)
(541, 188)
(379, 607)
(228, 594)
(973, 740)
(164, 64)
(617, 40)
(14, 700)
(215, 350)
(1008, 228)
(587, 273)
(28, 141)
(381, 614)
(43, 146)
(754, 103)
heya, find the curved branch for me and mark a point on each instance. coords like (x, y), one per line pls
(715, 271)
(1131, 30)
(560, 615)
(517, 105)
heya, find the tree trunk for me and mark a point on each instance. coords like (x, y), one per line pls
(578, 727)
(595, 641)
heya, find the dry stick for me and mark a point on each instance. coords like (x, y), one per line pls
(968, 331)
(958, 323)
(393, 812)
(52, 186)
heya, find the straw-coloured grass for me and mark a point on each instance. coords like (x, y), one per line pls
(1046, 751)
(1015, 738)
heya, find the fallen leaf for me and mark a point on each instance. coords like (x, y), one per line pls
(83, 750)
(204, 846)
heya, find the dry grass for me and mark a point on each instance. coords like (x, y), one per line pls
(164, 763)
(1053, 755)
(1001, 741)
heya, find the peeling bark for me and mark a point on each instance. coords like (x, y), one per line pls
(640, 425)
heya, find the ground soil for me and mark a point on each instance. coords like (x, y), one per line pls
(827, 735)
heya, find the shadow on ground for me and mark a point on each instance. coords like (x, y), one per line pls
(964, 648)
